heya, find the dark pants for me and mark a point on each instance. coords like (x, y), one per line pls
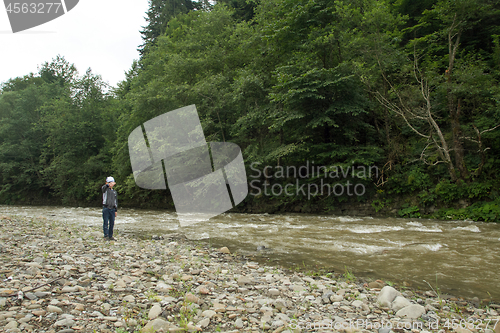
(108, 217)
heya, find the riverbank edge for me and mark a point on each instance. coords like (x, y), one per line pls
(405, 206)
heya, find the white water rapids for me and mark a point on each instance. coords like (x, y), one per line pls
(459, 257)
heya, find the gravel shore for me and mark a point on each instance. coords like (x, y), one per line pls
(64, 278)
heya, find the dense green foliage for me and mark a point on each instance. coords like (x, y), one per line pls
(53, 135)
(409, 87)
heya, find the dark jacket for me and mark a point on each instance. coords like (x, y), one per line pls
(109, 197)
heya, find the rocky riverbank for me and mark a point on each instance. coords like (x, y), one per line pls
(61, 278)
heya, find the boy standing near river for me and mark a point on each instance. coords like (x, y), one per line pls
(109, 207)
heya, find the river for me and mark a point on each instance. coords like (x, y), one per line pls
(460, 258)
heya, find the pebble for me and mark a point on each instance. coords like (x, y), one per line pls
(52, 308)
(11, 325)
(79, 307)
(156, 325)
(39, 313)
(204, 290)
(129, 298)
(274, 292)
(375, 285)
(238, 323)
(64, 322)
(68, 289)
(399, 303)
(224, 250)
(208, 313)
(412, 311)
(204, 322)
(192, 298)
(155, 311)
(243, 280)
(387, 296)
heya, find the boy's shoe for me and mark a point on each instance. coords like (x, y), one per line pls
(112, 238)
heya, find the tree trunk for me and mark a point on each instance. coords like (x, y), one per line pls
(455, 111)
(456, 132)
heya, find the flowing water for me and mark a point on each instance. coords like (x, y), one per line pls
(460, 257)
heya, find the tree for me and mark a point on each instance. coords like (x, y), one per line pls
(75, 125)
(244, 10)
(319, 107)
(421, 105)
(160, 12)
(21, 141)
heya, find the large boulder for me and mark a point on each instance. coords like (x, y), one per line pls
(412, 311)
(387, 296)
(399, 303)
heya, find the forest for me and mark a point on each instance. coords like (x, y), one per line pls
(410, 88)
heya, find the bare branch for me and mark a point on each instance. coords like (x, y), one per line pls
(470, 139)
(382, 100)
(491, 129)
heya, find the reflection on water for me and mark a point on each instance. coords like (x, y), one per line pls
(463, 256)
